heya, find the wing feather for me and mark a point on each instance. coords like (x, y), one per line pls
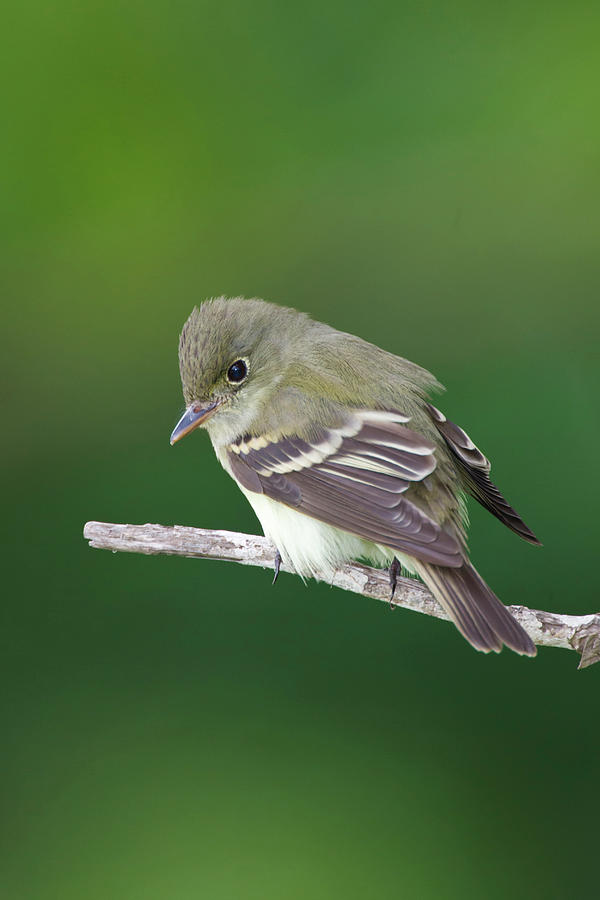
(475, 468)
(356, 478)
(353, 478)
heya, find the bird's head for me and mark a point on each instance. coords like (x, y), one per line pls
(231, 357)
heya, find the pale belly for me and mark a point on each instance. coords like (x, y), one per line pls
(310, 547)
(313, 548)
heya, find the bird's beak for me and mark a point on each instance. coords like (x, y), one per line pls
(193, 416)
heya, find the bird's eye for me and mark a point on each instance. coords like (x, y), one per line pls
(237, 371)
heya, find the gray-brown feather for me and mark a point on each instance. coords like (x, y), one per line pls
(475, 610)
(354, 478)
(475, 468)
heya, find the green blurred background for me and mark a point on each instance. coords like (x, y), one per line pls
(425, 175)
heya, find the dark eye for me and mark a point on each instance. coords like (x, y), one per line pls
(237, 371)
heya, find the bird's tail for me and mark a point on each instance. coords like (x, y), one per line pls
(475, 610)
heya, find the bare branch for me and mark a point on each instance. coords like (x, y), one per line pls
(580, 633)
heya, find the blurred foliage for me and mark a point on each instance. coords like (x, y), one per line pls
(425, 175)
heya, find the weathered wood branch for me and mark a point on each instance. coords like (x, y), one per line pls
(579, 633)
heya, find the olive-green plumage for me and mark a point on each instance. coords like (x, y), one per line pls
(334, 442)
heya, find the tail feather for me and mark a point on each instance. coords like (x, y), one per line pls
(474, 608)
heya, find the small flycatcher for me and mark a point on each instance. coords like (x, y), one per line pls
(335, 444)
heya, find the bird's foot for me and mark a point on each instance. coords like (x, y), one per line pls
(277, 566)
(393, 572)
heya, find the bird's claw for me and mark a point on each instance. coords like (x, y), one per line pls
(277, 566)
(393, 572)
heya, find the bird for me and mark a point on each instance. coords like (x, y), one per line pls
(342, 455)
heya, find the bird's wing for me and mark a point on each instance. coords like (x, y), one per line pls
(475, 468)
(353, 477)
